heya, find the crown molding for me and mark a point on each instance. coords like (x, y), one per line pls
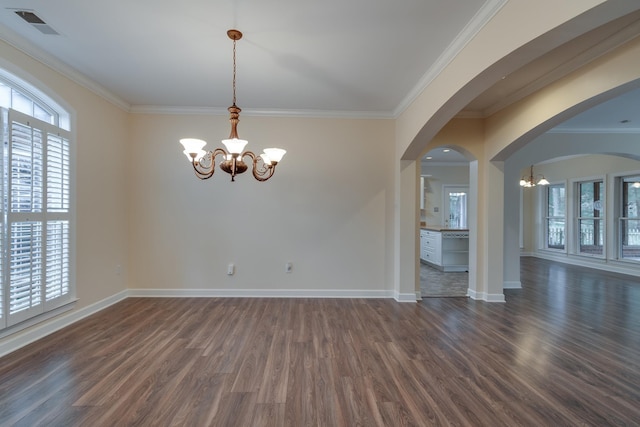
(629, 131)
(11, 38)
(257, 112)
(591, 54)
(479, 20)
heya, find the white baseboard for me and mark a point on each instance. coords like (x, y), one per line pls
(405, 297)
(259, 293)
(20, 339)
(514, 284)
(612, 265)
(483, 296)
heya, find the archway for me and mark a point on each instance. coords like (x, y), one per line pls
(546, 147)
(445, 167)
(501, 135)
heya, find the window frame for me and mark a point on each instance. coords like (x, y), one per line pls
(621, 214)
(547, 218)
(57, 217)
(601, 218)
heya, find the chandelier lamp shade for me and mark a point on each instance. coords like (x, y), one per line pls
(530, 181)
(233, 157)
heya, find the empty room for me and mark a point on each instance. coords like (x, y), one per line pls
(249, 213)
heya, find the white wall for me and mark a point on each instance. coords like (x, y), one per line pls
(328, 209)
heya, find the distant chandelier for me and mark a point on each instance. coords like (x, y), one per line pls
(531, 182)
(204, 162)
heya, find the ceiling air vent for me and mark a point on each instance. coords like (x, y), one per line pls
(36, 22)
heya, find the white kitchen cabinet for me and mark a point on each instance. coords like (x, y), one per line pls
(447, 250)
(430, 247)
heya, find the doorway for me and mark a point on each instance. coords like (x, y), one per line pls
(455, 201)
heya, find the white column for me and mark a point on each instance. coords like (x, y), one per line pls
(489, 245)
(512, 210)
(407, 274)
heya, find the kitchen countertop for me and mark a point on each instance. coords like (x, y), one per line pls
(439, 228)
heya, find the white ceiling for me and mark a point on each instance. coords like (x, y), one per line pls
(363, 58)
(359, 56)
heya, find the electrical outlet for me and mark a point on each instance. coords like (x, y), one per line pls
(231, 269)
(288, 267)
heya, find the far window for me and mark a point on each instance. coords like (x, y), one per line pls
(555, 217)
(630, 218)
(591, 218)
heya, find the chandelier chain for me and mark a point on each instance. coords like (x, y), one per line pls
(234, 72)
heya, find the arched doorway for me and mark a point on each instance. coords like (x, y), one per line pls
(511, 128)
(444, 223)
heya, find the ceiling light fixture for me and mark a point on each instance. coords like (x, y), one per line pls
(530, 181)
(204, 163)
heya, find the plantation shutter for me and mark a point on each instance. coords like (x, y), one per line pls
(3, 122)
(38, 218)
(57, 232)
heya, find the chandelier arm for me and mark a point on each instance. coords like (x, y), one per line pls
(263, 171)
(202, 174)
(217, 151)
(205, 170)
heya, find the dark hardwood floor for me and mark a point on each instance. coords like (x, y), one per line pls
(563, 351)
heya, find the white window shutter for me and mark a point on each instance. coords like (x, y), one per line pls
(38, 218)
(3, 279)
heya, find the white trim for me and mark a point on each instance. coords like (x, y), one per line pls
(483, 296)
(13, 343)
(473, 294)
(259, 293)
(494, 298)
(484, 15)
(614, 266)
(254, 112)
(513, 284)
(31, 321)
(29, 49)
(559, 129)
(405, 297)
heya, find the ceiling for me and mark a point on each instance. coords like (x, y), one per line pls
(361, 58)
(358, 56)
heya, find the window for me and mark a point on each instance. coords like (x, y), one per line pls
(13, 96)
(591, 218)
(629, 221)
(555, 229)
(35, 213)
(455, 206)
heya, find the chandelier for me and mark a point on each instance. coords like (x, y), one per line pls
(531, 182)
(204, 162)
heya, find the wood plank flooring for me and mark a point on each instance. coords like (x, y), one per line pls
(563, 351)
